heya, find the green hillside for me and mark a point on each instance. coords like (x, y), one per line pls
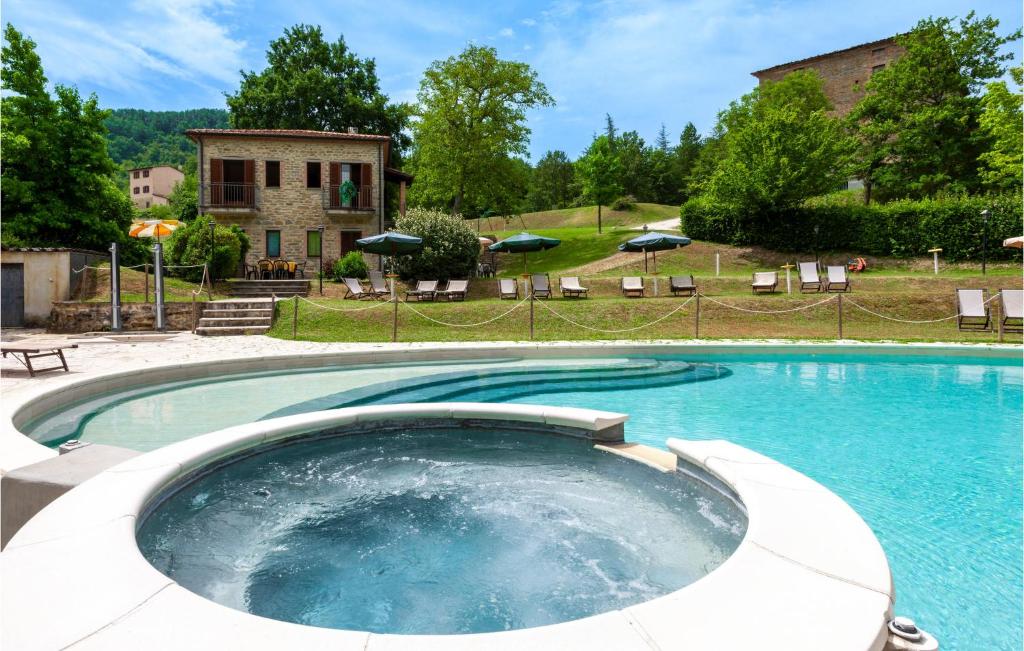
(139, 138)
(585, 216)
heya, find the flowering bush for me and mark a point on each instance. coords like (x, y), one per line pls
(450, 246)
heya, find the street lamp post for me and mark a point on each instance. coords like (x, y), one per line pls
(984, 240)
(321, 259)
(213, 236)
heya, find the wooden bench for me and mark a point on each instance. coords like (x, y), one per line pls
(29, 352)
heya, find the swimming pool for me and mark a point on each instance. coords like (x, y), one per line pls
(927, 451)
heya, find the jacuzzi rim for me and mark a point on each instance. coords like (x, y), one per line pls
(89, 534)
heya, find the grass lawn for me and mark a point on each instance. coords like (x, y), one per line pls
(585, 216)
(96, 287)
(580, 246)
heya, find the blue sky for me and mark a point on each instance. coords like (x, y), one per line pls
(644, 62)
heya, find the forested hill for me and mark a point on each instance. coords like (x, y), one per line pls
(141, 138)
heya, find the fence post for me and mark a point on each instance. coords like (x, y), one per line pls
(839, 297)
(273, 308)
(717, 265)
(531, 314)
(696, 321)
(193, 313)
(145, 270)
(295, 318)
(394, 316)
(999, 315)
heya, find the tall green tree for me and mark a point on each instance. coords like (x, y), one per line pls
(57, 186)
(552, 182)
(635, 158)
(687, 155)
(310, 83)
(472, 119)
(600, 174)
(1001, 122)
(919, 119)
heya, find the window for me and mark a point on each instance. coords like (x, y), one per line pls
(145, 189)
(880, 66)
(135, 190)
(348, 241)
(312, 244)
(273, 244)
(313, 174)
(136, 174)
(272, 177)
(145, 174)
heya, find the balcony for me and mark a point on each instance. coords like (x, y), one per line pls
(362, 202)
(231, 197)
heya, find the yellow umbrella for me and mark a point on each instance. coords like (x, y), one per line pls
(154, 228)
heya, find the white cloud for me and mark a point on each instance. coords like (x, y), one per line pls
(529, 22)
(507, 32)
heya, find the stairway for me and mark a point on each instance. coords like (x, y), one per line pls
(245, 316)
(265, 288)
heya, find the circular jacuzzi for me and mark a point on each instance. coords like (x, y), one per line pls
(437, 530)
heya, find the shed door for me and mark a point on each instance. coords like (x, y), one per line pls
(12, 295)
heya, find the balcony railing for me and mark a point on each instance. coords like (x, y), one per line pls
(362, 201)
(231, 195)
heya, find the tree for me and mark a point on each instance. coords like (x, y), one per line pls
(919, 119)
(662, 142)
(312, 84)
(184, 198)
(610, 130)
(1001, 123)
(687, 155)
(552, 182)
(635, 158)
(472, 119)
(600, 172)
(450, 246)
(58, 186)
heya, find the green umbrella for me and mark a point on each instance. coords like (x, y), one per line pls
(654, 242)
(524, 243)
(390, 243)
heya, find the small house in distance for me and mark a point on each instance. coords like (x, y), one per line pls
(151, 186)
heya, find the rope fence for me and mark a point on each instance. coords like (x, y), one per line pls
(621, 330)
(468, 325)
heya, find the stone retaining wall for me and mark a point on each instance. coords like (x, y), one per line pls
(95, 317)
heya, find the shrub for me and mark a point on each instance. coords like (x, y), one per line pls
(352, 265)
(901, 228)
(627, 202)
(450, 246)
(190, 245)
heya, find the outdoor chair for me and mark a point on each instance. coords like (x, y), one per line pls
(633, 286)
(837, 280)
(266, 268)
(378, 284)
(1011, 302)
(571, 288)
(426, 290)
(250, 270)
(809, 276)
(972, 310)
(280, 269)
(508, 288)
(355, 290)
(455, 291)
(541, 285)
(682, 285)
(300, 269)
(25, 352)
(764, 281)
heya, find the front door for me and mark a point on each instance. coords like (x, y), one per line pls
(12, 295)
(348, 241)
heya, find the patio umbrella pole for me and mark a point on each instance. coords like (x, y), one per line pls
(654, 260)
(645, 260)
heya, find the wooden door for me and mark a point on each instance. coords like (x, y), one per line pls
(12, 295)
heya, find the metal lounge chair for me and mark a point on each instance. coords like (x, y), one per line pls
(455, 291)
(355, 290)
(426, 290)
(541, 285)
(683, 285)
(837, 280)
(809, 276)
(1011, 302)
(633, 286)
(26, 352)
(571, 288)
(508, 288)
(378, 284)
(764, 281)
(972, 311)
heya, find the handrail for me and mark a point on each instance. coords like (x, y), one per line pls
(231, 195)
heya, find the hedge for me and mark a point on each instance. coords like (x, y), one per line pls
(899, 229)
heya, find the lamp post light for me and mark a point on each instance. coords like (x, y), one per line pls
(213, 235)
(984, 240)
(320, 259)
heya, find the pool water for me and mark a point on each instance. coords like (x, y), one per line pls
(928, 451)
(438, 531)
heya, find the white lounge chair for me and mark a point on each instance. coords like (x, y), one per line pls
(682, 285)
(355, 290)
(972, 310)
(541, 285)
(764, 281)
(455, 291)
(1012, 303)
(809, 276)
(508, 288)
(571, 288)
(837, 280)
(426, 290)
(633, 286)
(379, 285)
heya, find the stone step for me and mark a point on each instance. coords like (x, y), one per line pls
(259, 293)
(256, 303)
(216, 322)
(268, 283)
(214, 331)
(237, 313)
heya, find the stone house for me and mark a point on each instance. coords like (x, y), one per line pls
(151, 186)
(844, 71)
(282, 185)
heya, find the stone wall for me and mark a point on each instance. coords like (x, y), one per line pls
(71, 317)
(293, 208)
(842, 71)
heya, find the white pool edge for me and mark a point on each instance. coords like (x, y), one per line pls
(808, 574)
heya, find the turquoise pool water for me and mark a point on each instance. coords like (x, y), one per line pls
(927, 451)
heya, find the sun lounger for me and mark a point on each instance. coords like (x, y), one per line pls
(355, 290)
(27, 352)
(541, 285)
(764, 281)
(682, 285)
(972, 311)
(426, 290)
(455, 291)
(508, 288)
(571, 288)
(809, 277)
(837, 280)
(633, 286)
(378, 284)
(1011, 302)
